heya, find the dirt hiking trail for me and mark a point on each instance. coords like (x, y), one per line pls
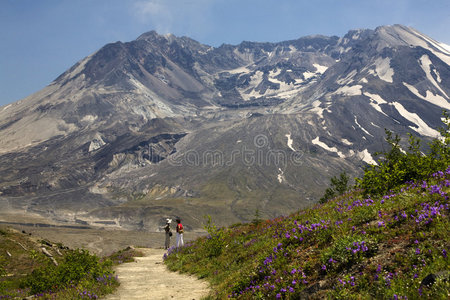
(148, 278)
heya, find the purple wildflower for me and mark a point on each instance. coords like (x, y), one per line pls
(379, 269)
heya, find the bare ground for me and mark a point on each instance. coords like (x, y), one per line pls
(148, 278)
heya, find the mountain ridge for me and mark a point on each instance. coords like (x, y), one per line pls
(127, 120)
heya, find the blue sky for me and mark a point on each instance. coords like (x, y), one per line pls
(40, 39)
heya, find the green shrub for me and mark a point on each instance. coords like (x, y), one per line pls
(396, 166)
(78, 265)
(2, 271)
(349, 250)
(216, 239)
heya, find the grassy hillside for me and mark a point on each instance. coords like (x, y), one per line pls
(393, 246)
(32, 266)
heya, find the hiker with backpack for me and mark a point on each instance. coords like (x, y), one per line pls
(168, 234)
(180, 230)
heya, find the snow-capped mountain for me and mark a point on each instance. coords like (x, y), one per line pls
(164, 125)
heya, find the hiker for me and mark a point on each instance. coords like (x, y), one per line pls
(168, 233)
(180, 231)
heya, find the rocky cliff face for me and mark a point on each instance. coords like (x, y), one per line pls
(165, 126)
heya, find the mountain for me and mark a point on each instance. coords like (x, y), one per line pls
(164, 126)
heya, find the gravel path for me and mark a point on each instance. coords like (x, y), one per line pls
(148, 278)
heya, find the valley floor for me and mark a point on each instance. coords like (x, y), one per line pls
(101, 241)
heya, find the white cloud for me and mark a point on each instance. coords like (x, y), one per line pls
(185, 17)
(155, 13)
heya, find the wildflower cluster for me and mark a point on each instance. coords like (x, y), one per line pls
(357, 247)
(351, 246)
(87, 295)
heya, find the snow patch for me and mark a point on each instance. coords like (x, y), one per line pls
(283, 86)
(284, 89)
(375, 101)
(426, 64)
(423, 127)
(376, 98)
(280, 176)
(354, 90)
(255, 80)
(317, 142)
(320, 69)
(317, 109)
(445, 47)
(438, 76)
(89, 118)
(384, 70)
(289, 142)
(238, 70)
(362, 128)
(308, 75)
(430, 97)
(347, 142)
(366, 157)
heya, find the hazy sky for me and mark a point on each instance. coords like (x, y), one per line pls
(40, 39)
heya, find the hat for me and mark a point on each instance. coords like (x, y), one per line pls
(168, 221)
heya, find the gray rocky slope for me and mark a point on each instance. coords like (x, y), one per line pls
(164, 126)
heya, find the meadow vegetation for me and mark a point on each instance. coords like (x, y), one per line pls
(386, 238)
(56, 272)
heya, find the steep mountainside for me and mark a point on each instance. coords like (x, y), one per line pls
(164, 125)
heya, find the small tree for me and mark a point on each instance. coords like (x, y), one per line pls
(257, 219)
(216, 238)
(338, 186)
